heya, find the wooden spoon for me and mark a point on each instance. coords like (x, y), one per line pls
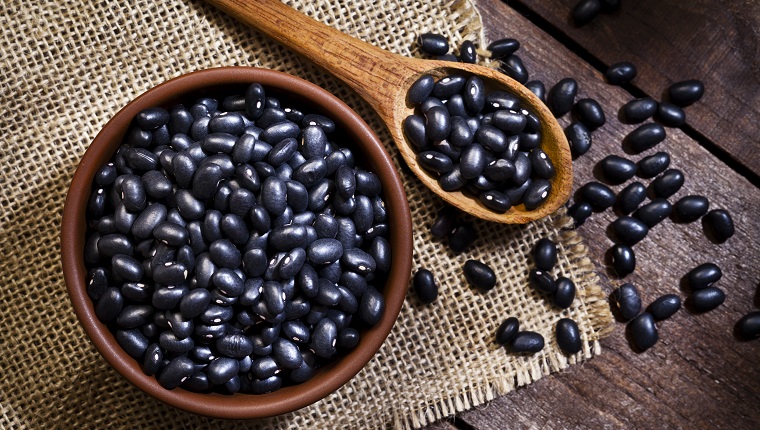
(383, 80)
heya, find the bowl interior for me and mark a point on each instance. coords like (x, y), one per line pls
(351, 132)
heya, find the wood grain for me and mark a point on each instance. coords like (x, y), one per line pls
(669, 41)
(698, 375)
(382, 79)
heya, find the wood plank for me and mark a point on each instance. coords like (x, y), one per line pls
(697, 375)
(669, 41)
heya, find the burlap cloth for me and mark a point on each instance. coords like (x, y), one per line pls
(66, 67)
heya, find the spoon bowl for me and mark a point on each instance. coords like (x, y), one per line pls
(383, 79)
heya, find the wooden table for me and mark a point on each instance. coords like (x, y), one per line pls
(698, 375)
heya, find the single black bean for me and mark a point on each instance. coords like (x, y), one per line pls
(225, 254)
(153, 361)
(170, 342)
(664, 307)
(435, 161)
(421, 89)
(126, 267)
(189, 207)
(472, 161)
(527, 341)
(286, 354)
(630, 197)
(110, 305)
(537, 88)
(371, 306)
(461, 237)
(748, 327)
(639, 110)
(590, 113)
(456, 107)
(444, 222)
(170, 273)
(437, 123)
(414, 129)
(691, 208)
(367, 183)
(194, 302)
(176, 372)
(287, 237)
(545, 254)
(491, 138)
(499, 170)
(495, 200)
(474, 92)
(97, 282)
(585, 11)
(685, 93)
(433, 44)
(668, 183)
(542, 281)
(152, 118)
(168, 297)
(565, 294)
(568, 336)
(508, 121)
(579, 138)
(523, 169)
(448, 86)
(453, 180)
(479, 275)
(628, 301)
(255, 99)
(503, 48)
(148, 220)
(222, 370)
(513, 67)
(156, 185)
(171, 234)
(348, 338)
(133, 193)
(380, 250)
(623, 260)
(324, 338)
(617, 169)
(429, 103)
(670, 115)
(235, 345)
(228, 282)
(653, 165)
(324, 251)
(580, 211)
(562, 96)
(718, 225)
(598, 195)
(620, 73)
(704, 276)
(644, 331)
(629, 230)
(644, 137)
(497, 100)
(652, 213)
(507, 331)
(467, 53)
(425, 286)
(706, 299)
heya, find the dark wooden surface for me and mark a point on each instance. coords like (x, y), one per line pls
(669, 41)
(698, 375)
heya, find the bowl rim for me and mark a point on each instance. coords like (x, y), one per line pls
(237, 406)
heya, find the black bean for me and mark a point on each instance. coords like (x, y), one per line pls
(617, 169)
(170, 342)
(170, 273)
(537, 88)
(527, 341)
(704, 276)
(122, 218)
(171, 234)
(653, 165)
(628, 301)
(228, 282)
(562, 96)
(110, 305)
(579, 138)
(472, 161)
(168, 297)
(367, 183)
(479, 275)
(371, 306)
(437, 123)
(434, 161)
(225, 254)
(644, 331)
(320, 121)
(448, 86)
(654, 212)
(668, 183)
(598, 195)
(630, 197)
(156, 185)
(235, 345)
(453, 180)
(510, 122)
(495, 200)
(565, 294)
(461, 238)
(324, 338)
(194, 302)
(718, 225)
(620, 73)
(429, 103)
(706, 299)
(629, 230)
(421, 89)
(268, 385)
(444, 222)
(748, 327)
(523, 168)
(568, 336)
(153, 361)
(664, 307)
(503, 48)
(286, 354)
(623, 260)
(497, 100)
(467, 53)
(685, 93)
(425, 286)
(590, 113)
(580, 211)
(585, 11)
(645, 137)
(189, 207)
(691, 208)
(474, 94)
(356, 260)
(507, 331)
(516, 194)
(491, 138)
(499, 170)
(545, 254)
(324, 251)
(208, 332)
(541, 164)
(176, 372)
(97, 282)
(513, 67)
(542, 281)
(433, 44)
(126, 267)
(132, 193)
(380, 250)
(670, 115)
(146, 222)
(152, 118)
(222, 370)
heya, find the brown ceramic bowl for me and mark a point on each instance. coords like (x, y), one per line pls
(355, 134)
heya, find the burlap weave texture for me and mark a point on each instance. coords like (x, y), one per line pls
(68, 66)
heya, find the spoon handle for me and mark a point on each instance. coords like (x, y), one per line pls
(377, 75)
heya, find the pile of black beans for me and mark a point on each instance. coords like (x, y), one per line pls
(232, 246)
(483, 143)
